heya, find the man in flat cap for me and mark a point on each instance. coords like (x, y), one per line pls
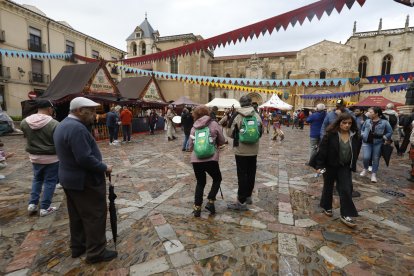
(38, 129)
(82, 175)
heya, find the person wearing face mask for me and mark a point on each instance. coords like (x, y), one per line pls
(337, 155)
(375, 131)
(82, 175)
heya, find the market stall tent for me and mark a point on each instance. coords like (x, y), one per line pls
(222, 103)
(379, 101)
(184, 101)
(276, 103)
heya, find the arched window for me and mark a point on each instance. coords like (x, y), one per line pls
(134, 49)
(143, 49)
(386, 65)
(225, 95)
(322, 74)
(273, 76)
(173, 65)
(362, 67)
(228, 75)
(334, 74)
(241, 76)
(288, 74)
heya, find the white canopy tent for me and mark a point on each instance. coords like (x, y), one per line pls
(222, 103)
(277, 103)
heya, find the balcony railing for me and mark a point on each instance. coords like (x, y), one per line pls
(2, 36)
(4, 72)
(38, 78)
(36, 47)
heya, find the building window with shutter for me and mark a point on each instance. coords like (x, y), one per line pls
(35, 40)
(95, 54)
(322, 74)
(70, 47)
(273, 76)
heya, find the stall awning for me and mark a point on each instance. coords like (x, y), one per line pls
(380, 101)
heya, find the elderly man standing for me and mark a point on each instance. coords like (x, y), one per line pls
(38, 129)
(82, 175)
(316, 120)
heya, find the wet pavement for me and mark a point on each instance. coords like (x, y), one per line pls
(283, 233)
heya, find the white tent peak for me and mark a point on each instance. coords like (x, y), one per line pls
(222, 103)
(277, 103)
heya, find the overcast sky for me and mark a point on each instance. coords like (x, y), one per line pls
(113, 21)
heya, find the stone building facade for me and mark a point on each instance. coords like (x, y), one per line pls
(363, 54)
(24, 27)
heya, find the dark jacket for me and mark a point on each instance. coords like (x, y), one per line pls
(328, 154)
(316, 120)
(330, 118)
(187, 122)
(79, 155)
(112, 119)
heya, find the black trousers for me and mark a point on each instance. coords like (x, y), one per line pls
(111, 131)
(406, 140)
(343, 178)
(200, 170)
(246, 175)
(87, 218)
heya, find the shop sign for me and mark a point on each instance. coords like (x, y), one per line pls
(152, 94)
(101, 83)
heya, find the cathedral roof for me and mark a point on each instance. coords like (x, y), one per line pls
(146, 28)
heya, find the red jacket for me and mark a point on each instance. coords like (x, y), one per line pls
(126, 117)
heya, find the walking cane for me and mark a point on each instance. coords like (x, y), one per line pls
(221, 192)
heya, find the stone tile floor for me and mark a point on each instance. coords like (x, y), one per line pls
(283, 233)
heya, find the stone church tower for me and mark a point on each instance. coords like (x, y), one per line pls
(142, 41)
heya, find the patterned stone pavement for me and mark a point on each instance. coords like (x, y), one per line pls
(283, 233)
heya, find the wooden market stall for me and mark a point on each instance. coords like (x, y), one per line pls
(145, 92)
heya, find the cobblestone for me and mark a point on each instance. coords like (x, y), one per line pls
(283, 232)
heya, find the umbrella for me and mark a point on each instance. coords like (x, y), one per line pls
(112, 210)
(386, 151)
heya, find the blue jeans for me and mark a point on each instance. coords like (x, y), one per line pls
(185, 144)
(371, 151)
(46, 175)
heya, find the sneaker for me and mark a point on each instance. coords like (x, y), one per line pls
(329, 212)
(370, 168)
(32, 208)
(115, 141)
(197, 211)
(249, 200)
(48, 211)
(374, 178)
(58, 186)
(111, 144)
(348, 221)
(364, 172)
(210, 207)
(237, 206)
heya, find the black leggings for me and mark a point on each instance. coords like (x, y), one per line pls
(200, 170)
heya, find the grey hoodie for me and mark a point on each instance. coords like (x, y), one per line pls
(244, 149)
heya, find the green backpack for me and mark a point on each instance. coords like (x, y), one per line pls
(204, 146)
(249, 130)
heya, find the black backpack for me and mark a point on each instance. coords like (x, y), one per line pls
(392, 119)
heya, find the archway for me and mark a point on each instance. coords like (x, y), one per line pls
(256, 98)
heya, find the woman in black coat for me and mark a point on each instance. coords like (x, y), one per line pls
(338, 155)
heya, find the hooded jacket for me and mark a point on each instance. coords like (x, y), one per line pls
(215, 133)
(244, 149)
(39, 129)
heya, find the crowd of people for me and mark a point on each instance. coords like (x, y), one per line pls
(67, 153)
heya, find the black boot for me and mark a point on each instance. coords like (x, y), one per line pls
(210, 207)
(197, 211)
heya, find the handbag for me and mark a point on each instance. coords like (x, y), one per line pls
(313, 158)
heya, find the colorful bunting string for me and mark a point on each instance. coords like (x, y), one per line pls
(401, 77)
(254, 30)
(393, 89)
(237, 81)
(26, 54)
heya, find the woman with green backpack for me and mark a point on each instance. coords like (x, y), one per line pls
(206, 136)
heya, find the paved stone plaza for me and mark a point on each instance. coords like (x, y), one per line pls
(283, 233)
